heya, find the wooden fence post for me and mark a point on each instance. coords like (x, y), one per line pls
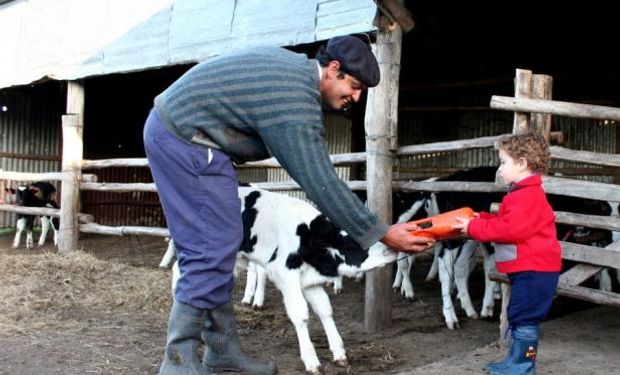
(72, 153)
(541, 89)
(380, 124)
(523, 89)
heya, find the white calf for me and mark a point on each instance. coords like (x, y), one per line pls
(301, 250)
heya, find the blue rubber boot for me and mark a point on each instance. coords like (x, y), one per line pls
(495, 366)
(523, 352)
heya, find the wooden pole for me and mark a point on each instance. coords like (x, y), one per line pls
(72, 153)
(381, 127)
(523, 89)
(541, 89)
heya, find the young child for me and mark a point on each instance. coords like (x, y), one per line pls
(526, 247)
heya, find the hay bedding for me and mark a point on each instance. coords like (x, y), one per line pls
(103, 310)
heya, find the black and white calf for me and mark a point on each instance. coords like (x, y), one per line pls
(38, 194)
(454, 259)
(300, 250)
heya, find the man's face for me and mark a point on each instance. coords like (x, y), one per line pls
(338, 89)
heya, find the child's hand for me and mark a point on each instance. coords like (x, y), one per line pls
(462, 225)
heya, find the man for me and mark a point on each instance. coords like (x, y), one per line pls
(245, 106)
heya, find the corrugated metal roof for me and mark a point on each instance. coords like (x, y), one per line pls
(72, 39)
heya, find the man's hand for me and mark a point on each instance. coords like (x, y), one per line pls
(399, 238)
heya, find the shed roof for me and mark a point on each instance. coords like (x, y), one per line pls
(73, 39)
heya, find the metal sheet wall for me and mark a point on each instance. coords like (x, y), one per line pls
(440, 126)
(117, 209)
(31, 132)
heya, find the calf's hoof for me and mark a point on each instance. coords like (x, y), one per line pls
(341, 363)
(314, 371)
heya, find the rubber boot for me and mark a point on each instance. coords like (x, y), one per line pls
(185, 325)
(223, 351)
(523, 352)
(494, 366)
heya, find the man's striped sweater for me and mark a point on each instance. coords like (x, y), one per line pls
(266, 102)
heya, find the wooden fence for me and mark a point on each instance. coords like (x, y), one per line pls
(592, 258)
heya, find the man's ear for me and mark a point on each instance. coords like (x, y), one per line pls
(333, 67)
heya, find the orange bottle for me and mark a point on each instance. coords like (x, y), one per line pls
(440, 226)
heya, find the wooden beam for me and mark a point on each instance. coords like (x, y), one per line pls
(598, 256)
(106, 163)
(588, 294)
(523, 89)
(381, 125)
(72, 152)
(541, 89)
(590, 221)
(119, 187)
(582, 189)
(555, 107)
(48, 176)
(572, 291)
(13, 155)
(124, 231)
(437, 186)
(598, 158)
(40, 211)
(579, 273)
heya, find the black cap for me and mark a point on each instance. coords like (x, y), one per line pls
(355, 58)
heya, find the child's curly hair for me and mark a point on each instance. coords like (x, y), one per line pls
(533, 147)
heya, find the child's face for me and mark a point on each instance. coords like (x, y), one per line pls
(512, 170)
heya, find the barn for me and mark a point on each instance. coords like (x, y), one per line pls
(104, 61)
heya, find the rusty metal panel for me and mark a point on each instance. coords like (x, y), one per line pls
(441, 126)
(30, 131)
(586, 135)
(118, 209)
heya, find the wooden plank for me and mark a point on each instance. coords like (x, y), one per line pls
(39, 211)
(598, 158)
(573, 291)
(14, 155)
(360, 157)
(579, 273)
(119, 187)
(581, 189)
(124, 231)
(606, 257)
(555, 107)
(588, 294)
(107, 163)
(48, 176)
(435, 186)
(591, 221)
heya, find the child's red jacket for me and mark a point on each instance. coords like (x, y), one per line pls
(523, 231)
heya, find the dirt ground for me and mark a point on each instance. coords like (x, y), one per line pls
(104, 311)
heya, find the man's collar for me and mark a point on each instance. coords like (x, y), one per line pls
(318, 66)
